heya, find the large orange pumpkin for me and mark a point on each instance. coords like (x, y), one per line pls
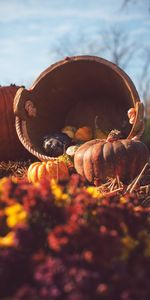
(10, 146)
(98, 159)
(53, 169)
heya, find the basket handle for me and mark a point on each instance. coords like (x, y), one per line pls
(138, 126)
(19, 126)
(23, 105)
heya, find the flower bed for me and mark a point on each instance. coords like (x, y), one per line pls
(67, 241)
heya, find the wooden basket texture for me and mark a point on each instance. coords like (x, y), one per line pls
(73, 92)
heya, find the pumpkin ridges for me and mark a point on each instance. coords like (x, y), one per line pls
(6, 96)
(87, 164)
(12, 91)
(108, 154)
(126, 162)
(57, 170)
(32, 173)
(78, 159)
(95, 156)
(98, 167)
(3, 128)
(120, 157)
(142, 152)
(11, 148)
(51, 168)
(64, 174)
(132, 163)
(103, 159)
(42, 173)
(78, 162)
(28, 173)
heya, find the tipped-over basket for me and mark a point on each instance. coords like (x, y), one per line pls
(73, 92)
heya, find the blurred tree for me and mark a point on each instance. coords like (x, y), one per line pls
(78, 44)
(136, 2)
(144, 86)
(114, 44)
(144, 80)
(119, 46)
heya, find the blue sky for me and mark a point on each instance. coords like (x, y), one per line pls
(31, 31)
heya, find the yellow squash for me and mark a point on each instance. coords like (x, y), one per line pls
(52, 169)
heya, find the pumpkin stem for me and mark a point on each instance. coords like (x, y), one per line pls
(114, 135)
(98, 133)
(96, 122)
(96, 127)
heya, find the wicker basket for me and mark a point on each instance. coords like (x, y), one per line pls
(72, 92)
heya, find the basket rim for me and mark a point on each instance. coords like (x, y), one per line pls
(70, 59)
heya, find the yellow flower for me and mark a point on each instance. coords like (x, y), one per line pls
(57, 191)
(129, 242)
(144, 235)
(13, 209)
(123, 200)
(15, 215)
(2, 182)
(129, 245)
(93, 191)
(8, 240)
(147, 249)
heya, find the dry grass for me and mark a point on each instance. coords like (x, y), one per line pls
(14, 168)
(140, 186)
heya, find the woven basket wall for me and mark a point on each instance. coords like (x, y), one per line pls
(72, 92)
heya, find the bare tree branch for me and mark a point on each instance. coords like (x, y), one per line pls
(82, 44)
(119, 46)
(126, 3)
(144, 79)
(115, 45)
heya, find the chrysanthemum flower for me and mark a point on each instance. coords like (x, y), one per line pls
(15, 215)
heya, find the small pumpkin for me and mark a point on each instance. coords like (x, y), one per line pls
(69, 130)
(98, 159)
(52, 169)
(83, 134)
(99, 134)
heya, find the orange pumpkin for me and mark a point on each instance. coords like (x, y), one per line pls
(52, 169)
(10, 146)
(83, 134)
(98, 159)
(99, 134)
